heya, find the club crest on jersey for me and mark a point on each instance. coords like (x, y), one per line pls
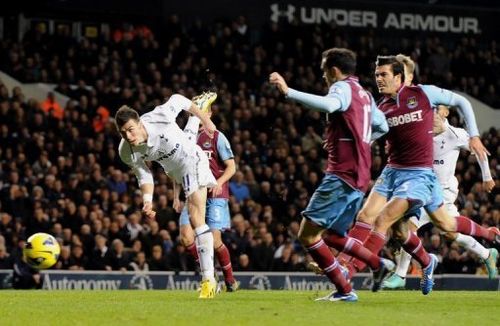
(206, 144)
(412, 102)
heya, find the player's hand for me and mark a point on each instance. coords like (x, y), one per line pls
(279, 81)
(210, 129)
(477, 147)
(217, 190)
(148, 211)
(488, 185)
(177, 205)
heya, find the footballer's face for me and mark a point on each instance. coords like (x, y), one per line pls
(133, 132)
(328, 74)
(443, 111)
(387, 83)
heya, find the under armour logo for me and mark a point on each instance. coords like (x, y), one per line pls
(277, 13)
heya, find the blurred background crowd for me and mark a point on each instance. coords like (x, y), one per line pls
(60, 172)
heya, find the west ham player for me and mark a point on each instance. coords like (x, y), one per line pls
(339, 196)
(155, 136)
(223, 167)
(408, 182)
(448, 141)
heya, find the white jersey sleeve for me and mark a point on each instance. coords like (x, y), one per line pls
(462, 140)
(136, 163)
(169, 111)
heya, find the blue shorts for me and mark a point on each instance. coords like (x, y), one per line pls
(419, 186)
(217, 216)
(334, 204)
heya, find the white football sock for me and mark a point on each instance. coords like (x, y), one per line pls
(205, 248)
(404, 260)
(471, 244)
(192, 127)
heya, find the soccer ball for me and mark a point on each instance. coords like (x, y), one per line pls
(41, 251)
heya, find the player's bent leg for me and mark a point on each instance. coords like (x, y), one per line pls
(411, 243)
(462, 224)
(488, 256)
(403, 260)
(364, 221)
(310, 237)
(398, 279)
(380, 266)
(224, 259)
(391, 213)
(187, 239)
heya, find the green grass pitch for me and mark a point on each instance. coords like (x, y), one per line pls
(246, 308)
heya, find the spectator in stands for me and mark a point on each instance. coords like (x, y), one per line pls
(238, 188)
(51, 107)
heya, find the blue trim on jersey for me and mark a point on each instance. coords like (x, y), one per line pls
(341, 90)
(326, 104)
(443, 96)
(224, 148)
(379, 123)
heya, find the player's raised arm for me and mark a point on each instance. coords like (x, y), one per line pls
(326, 104)
(439, 96)
(205, 120)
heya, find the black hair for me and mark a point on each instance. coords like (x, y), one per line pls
(124, 114)
(398, 68)
(343, 59)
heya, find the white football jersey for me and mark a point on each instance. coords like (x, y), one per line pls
(167, 144)
(447, 147)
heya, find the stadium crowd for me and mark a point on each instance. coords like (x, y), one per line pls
(60, 171)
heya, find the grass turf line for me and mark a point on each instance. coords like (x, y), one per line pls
(245, 307)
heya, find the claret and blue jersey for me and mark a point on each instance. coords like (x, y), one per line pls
(410, 115)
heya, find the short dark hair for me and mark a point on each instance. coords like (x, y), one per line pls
(398, 68)
(343, 59)
(124, 114)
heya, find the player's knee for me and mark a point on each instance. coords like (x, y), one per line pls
(446, 224)
(186, 237)
(399, 235)
(365, 217)
(450, 236)
(305, 239)
(217, 238)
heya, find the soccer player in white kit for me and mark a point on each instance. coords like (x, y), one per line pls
(155, 136)
(448, 141)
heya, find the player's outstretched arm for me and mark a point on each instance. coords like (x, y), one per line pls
(327, 104)
(442, 96)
